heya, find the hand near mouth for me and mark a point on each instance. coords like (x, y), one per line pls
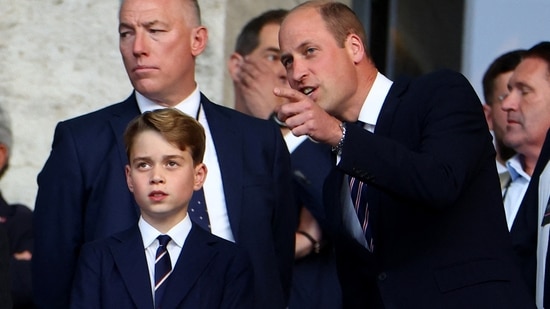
(304, 117)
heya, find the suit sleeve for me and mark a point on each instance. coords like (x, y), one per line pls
(86, 288)
(239, 287)
(57, 223)
(286, 214)
(432, 145)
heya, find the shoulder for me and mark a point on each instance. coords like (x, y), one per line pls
(237, 118)
(446, 84)
(439, 78)
(98, 117)
(223, 246)
(21, 210)
(115, 239)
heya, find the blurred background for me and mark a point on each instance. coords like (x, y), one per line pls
(60, 58)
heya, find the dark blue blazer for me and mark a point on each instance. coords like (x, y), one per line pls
(526, 226)
(210, 273)
(440, 234)
(314, 280)
(83, 196)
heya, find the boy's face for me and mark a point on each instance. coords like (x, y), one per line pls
(162, 178)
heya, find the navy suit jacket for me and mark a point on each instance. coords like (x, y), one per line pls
(314, 280)
(440, 235)
(526, 226)
(209, 273)
(83, 196)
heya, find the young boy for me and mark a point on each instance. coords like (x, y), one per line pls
(165, 149)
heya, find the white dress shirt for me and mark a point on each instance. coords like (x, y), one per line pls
(213, 186)
(514, 192)
(149, 235)
(369, 115)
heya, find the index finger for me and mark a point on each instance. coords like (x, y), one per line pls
(291, 94)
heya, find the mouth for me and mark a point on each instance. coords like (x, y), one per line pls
(143, 68)
(307, 90)
(157, 195)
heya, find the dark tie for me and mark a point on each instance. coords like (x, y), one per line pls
(197, 210)
(546, 218)
(358, 191)
(163, 268)
(546, 291)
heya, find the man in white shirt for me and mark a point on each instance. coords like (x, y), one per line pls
(528, 109)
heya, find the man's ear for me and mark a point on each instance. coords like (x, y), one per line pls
(199, 38)
(234, 66)
(355, 47)
(200, 176)
(488, 115)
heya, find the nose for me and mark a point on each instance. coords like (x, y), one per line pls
(510, 101)
(140, 46)
(156, 178)
(297, 72)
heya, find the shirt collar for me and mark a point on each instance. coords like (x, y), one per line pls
(189, 105)
(515, 168)
(375, 99)
(178, 232)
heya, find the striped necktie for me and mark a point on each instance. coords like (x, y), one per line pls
(358, 191)
(163, 268)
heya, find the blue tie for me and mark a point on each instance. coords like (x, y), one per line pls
(197, 210)
(163, 268)
(358, 191)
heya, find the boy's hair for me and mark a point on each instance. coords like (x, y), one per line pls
(176, 127)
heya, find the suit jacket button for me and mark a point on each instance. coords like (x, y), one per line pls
(382, 276)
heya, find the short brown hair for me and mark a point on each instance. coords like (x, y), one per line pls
(340, 20)
(176, 127)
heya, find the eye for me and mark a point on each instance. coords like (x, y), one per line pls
(286, 61)
(124, 34)
(502, 97)
(172, 164)
(310, 50)
(142, 165)
(272, 57)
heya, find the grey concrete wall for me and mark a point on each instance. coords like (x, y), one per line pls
(60, 59)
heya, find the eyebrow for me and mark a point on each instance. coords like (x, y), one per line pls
(147, 24)
(273, 49)
(168, 157)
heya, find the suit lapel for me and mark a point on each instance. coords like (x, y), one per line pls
(388, 111)
(129, 257)
(229, 149)
(127, 111)
(194, 258)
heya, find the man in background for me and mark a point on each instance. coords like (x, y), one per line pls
(256, 70)
(528, 110)
(16, 221)
(495, 90)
